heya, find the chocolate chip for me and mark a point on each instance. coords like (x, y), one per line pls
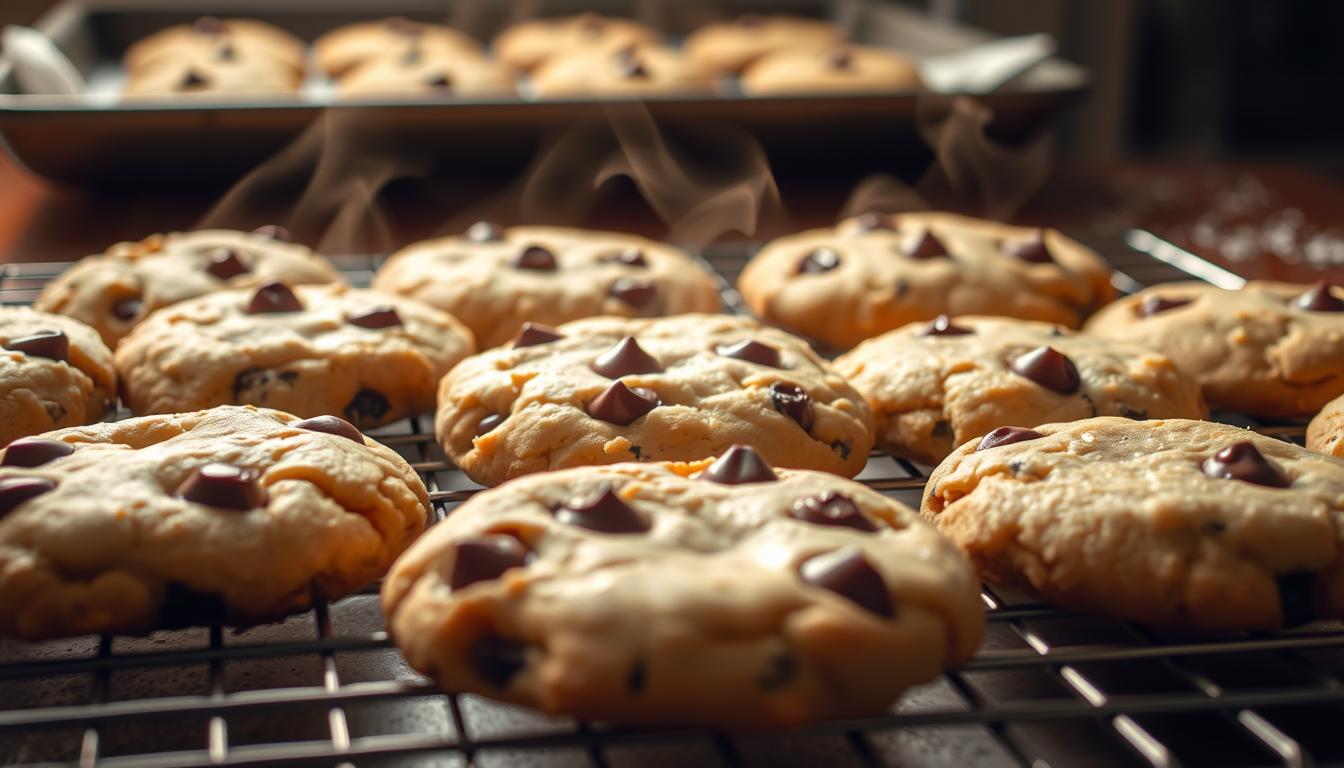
(532, 334)
(631, 68)
(873, 221)
(16, 490)
(1007, 436)
(1243, 461)
(208, 25)
(224, 264)
(375, 318)
(536, 258)
(840, 59)
(1047, 367)
(1319, 299)
(51, 344)
(900, 287)
(1151, 305)
(367, 407)
(1297, 602)
(832, 508)
(497, 660)
(126, 309)
(637, 678)
(942, 429)
(274, 232)
(488, 423)
(273, 297)
(1137, 414)
(631, 257)
(331, 425)
(224, 486)
(637, 293)
(780, 670)
(841, 448)
(192, 80)
(752, 351)
(792, 401)
(485, 232)
(183, 607)
(848, 573)
(34, 452)
(818, 261)
(625, 359)
(250, 385)
(738, 465)
(621, 405)
(443, 82)
(605, 514)
(482, 558)
(1032, 250)
(942, 325)
(926, 246)
(225, 52)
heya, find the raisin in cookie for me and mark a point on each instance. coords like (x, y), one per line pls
(1326, 431)
(1270, 349)
(888, 271)
(413, 71)
(720, 593)
(345, 49)
(933, 386)
(496, 279)
(525, 45)
(1184, 525)
(610, 389)
(218, 40)
(119, 288)
(233, 515)
(826, 70)
(370, 357)
(54, 372)
(632, 71)
(728, 47)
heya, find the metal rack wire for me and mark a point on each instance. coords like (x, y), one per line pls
(1049, 687)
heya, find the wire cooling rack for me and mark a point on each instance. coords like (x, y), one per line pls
(1048, 688)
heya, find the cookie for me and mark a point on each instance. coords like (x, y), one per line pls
(415, 71)
(370, 357)
(525, 45)
(211, 77)
(119, 288)
(889, 271)
(54, 372)
(729, 47)
(496, 279)
(1183, 525)
(719, 593)
(1272, 350)
(209, 38)
(845, 68)
(344, 49)
(933, 386)
(1326, 431)
(232, 515)
(609, 389)
(644, 70)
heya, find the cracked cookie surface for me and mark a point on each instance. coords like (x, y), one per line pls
(54, 372)
(233, 515)
(1326, 431)
(718, 593)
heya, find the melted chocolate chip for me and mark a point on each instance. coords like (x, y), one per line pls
(51, 344)
(367, 407)
(482, 558)
(485, 232)
(605, 514)
(225, 52)
(1032, 250)
(942, 429)
(942, 325)
(1152, 305)
(443, 82)
(34, 452)
(224, 264)
(251, 384)
(625, 359)
(224, 486)
(488, 423)
(926, 246)
(1047, 367)
(622, 405)
(1007, 436)
(738, 465)
(832, 508)
(532, 334)
(818, 261)
(1243, 461)
(536, 258)
(16, 490)
(1297, 601)
(780, 670)
(848, 573)
(375, 318)
(331, 425)
(752, 351)
(192, 80)
(273, 297)
(840, 59)
(1137, 414)
(497, 660)
(873, 221)
(274, 231)
(792, 401)
(183, 607)
(126, 309)
(637, 293)
(1319, 299)
(208, 25)
(631, 68)
(631, 257)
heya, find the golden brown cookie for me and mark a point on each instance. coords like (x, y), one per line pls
(212, 39)
(527, 44)
(632, 71)
(729, 47)
(838, 69)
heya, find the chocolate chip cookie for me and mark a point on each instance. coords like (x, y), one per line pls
(344, 49)
(525, 45)
(211, 77)
(119, 288)
(1326, 431)
(232, 515)
(1183, 525)
(370, 357)
(1270, 349)
(721, 593)
(933, 386)
(54, 372)
(631, 71)
(609, 389)
(210, 38)
(729, 47)
(888, 271)
(415, 71)
(495, 279)
(826, 70)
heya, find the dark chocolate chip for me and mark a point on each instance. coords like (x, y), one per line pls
(792, 401)
(488, 423)
(848, 573)
(631, 257)
(1049, 368)
(1152, 305)
(482, 558)
(208, 25)
(251, 384)
(1137, 414)
(497, 660)
(224, 264)
(34, 452)
(631, 68)
(443, 82)
(1243, 461)
(273, 297)
(367, 407)
(126, 309)
(752, 351)
(331, 425)
(16, 490)
(637, 293)
(900, 287)
(621, 405)
(532, 334)
(942, 429)
(1297, 601)
(485, 232)
(873, 221)
(536, 258)
(636, 450)
(1007, 436)
(1033, 250)
(832, 508)
(818, 261)
(604, 514)
(51, 344)
(224, 486)
(1319, 299)
(225, 52)
(926, 246)
(841, 448)
(183, 607)
(840, 59)
(275, 232)
(375, 318)
(738, 465)
(637, 679)
(780, 670)
(625, 359)
(942, 325)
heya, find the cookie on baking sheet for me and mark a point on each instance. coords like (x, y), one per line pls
(632, 71)
(839, 69)
(719, 593)
(1270, 349)
(496, 279)
(1182, 525)
(413, 71)
(344, 49)
(209, 77)
(120, 287)
(886, 271)
(1326, 431)
(54, 372)
(370, 357)
(729, 47)
(525, 45)
(210, 38)
(933, 386)
(611, 389)
(232, 515)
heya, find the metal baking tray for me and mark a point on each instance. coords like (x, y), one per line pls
(103, 142)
